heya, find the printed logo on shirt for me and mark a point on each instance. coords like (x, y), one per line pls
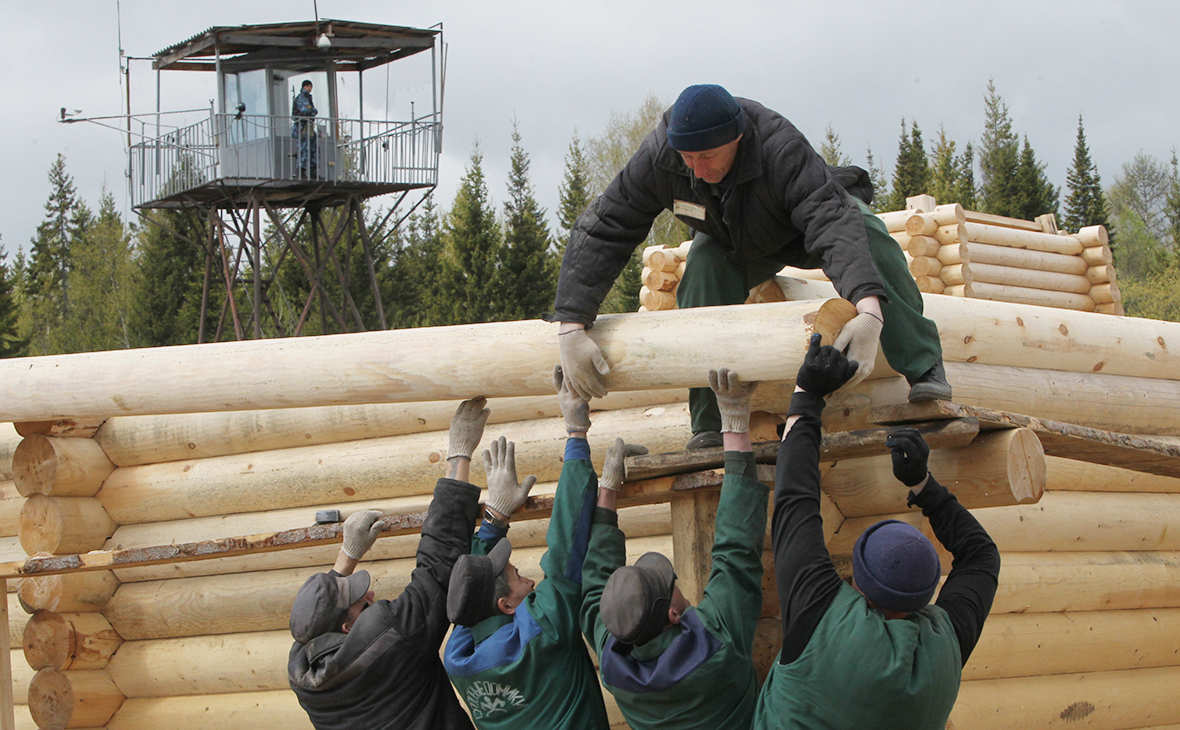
(685, 208)
(486, 699)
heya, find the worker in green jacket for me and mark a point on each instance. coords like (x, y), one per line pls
(670, 664)
(516, 655)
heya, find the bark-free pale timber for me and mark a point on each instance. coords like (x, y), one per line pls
(138, 440)
(81, 699)
(69, 640)
(1023, 295)
(11, 502)
(919, 246)
(244, 662)
(1068, 475)
(1128, 698)
(1013, 276)
(268, 710)
(360, 470)
(983, 253)
(62, 427)
(1050, 582)
(9, 440)
(61, 525)
(998, 468)
(655, 350)
(72, 593)
(1029, 645)
(17, 619)
(1013, 238)
(62, 467)
(693, 516)
(6, 678)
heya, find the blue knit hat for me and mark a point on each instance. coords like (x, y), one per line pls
(704, 117)
(895, 566)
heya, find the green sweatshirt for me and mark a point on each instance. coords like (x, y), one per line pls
(697, 674)
(531, 670)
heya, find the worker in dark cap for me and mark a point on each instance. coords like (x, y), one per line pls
(758, 198)
(361, 664)
(516, 655)
(670, 664)
(876, 655)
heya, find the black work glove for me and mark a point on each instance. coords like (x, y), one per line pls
(824, 369)
(910, 452)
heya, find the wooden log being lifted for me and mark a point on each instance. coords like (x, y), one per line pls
(405, 365)
(81, 699)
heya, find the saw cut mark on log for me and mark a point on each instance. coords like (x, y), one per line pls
(632, 494)
(940, 434)
(1066, 440)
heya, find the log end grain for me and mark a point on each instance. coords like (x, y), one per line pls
(34, 465)
(1027, 472)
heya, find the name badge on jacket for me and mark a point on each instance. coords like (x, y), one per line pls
(692, 210)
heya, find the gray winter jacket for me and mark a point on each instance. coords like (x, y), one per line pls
(385, 674)
(779, 202)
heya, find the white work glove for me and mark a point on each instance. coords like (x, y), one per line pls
(505, 494)
(360, 532)
(467, 427)
(859, 340)
(574, 409)
(583, 364)
(614, 470)
(733, 400)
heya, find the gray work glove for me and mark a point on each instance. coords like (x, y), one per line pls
(360, 532)
(505, 494)
(733, 400)
(859, 340)
(583, 364)
(613, 471)
(574, 408)
(467, 427)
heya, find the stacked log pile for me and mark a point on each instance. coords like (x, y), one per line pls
(969, 254)
(663, 268)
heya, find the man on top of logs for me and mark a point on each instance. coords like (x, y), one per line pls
(516, 655)
(875, 654)
(758, 198)
(362, 665)
(669, 664)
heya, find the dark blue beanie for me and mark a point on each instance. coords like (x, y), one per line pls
(704, 117)
(895, 566)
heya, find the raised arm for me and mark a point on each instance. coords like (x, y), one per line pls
(968, 592)
(807, 580)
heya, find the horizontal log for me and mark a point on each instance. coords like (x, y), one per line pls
(918, 246)
(1012, 276)
(1105, 293)
(1002, 221)
(795, 289)
(9, 439)
(1101, 274)
(952, 235)
(61, 525)
(17, 619)
(360, 470)
(1050, 582)
(270, 710)
(767, 291)
(1114, 700)
(925, 266)
(1115, 308)
(1092, 236)
(1097, 256)
(81, 699)
(22, 674)
(11, 502)
(930, 284)
(895, 220)
(1154, 455)
(920, 224)
(60, 427)
(656, 300)
(1030, 645)
(261, 601)
(74, 593)
(403, 365)
(69, 640)
(1026, 295)
(660, 281)
(948, 213)
(244, 662)
(1014, 238)
(997, 468)
(138, 440)
(62, 467)
(956, 275)
(983, 253)
(1068, 475)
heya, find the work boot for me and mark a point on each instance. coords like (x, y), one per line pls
(704, 440)
(931, 385)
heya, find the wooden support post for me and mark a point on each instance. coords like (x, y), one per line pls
(693, 518)
(7, 719)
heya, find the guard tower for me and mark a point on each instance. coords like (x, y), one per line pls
(248, 158)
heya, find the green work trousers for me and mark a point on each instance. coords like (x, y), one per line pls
(908, 339)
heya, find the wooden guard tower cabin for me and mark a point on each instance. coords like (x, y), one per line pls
(240, 163)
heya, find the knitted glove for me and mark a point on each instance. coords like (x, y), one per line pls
(910, 453)
(360, 532)
(505, 494)
(583, 364)
(614, 470)
(467, 427)
(859, 340)
(824, 369)
(733, 400)
(574, 408)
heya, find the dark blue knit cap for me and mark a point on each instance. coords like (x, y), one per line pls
(895, 566)
(704, 117)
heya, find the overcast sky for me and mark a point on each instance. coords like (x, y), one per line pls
(859, 65)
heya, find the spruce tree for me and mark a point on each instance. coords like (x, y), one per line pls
(11, 343)
(965, 191)
(999, 156)
(574, 193)
(944, 169)
(525, 280)
(911, 174)
(169, 277)
(420, 291)
(830, 149)
(1085, 203)
(881, 195)
(1032, 193)
(1172, 208)
(473, 237)
(101, 280)
(47, 277)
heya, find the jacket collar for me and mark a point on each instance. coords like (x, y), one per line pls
(747, 165)
(489, 626)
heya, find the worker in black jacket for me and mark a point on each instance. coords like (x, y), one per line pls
(360, 664)
(876, 655)
(758, 198)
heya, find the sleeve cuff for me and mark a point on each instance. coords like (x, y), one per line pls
(577, 449)
(806, 404)
(604, 516)
(491, 534)
(741, 463)
(932, 495)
